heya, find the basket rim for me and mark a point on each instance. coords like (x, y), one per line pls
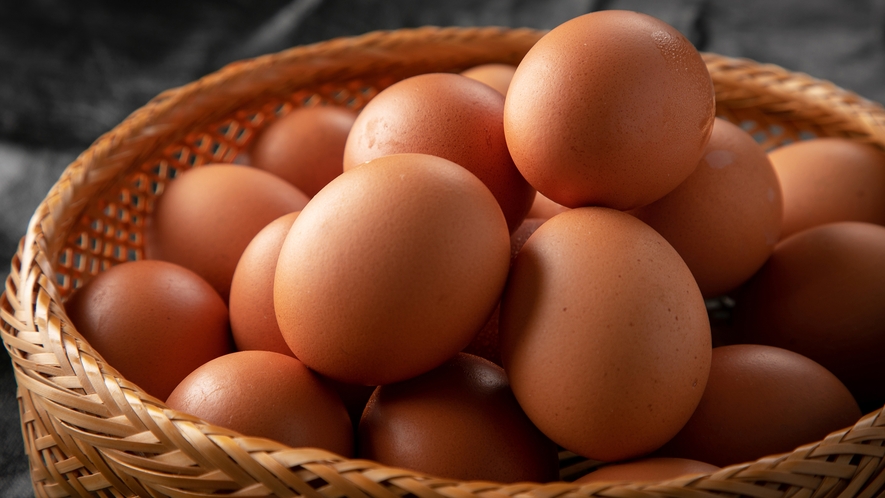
(31, 284)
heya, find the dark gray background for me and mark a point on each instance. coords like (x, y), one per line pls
(70, 71)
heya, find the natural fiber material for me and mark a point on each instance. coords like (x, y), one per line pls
(88, 431)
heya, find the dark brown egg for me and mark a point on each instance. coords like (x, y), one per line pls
(391, 269)
(458, 421)
(826, 180)
(252, 318)
(822, 295)
(205, 218)
(267, 394)
(449, 116)
(612, 108)
(725, 218)
(760, 401)
(648, 469)
(604, 334)
(153, 321)
(305, 147)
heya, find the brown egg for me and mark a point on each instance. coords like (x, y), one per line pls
(611, 108)
(822, 295)
(497, 76)
(153, 321)
(205, 218)
(825, 180)
(725, 218)
(485, 343)
(458, 421)
(544, 208)
(760, 401)
(449, 116)
(391, 269)
(252, 318)
(648, 469)
(305, 147)
(604, 334)
(267, 394)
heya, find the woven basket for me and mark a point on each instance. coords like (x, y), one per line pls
(89, 431)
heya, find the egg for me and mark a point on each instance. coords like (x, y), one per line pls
(485, 342)
(267, 394)
(830, 179)
(647, 469)
(449, 116)
(391, 269)
(252, 318)
(305, 147)
(153, 321)
(542, 207)
(495, 75)
(458, 421)
(206, 217)
(760, 401)
(611, 108)
(822, 295)
(725, 218)
(604, 334)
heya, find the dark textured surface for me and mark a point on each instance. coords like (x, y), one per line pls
(69, 71)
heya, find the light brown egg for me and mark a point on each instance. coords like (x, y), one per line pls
(825, 180)
(458, 421)
(153, 321)
(305, 147)
(391, 269)
(544, 208)
(761, 401)
(648, 469)
(604, 334)
(449, 116)
(822, 295)
(252, 318)
(267, 394)
(497, 76)
(725, 218)
(206, 217)
(611, 108)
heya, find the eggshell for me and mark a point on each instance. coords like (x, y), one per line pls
(825, 180)
(485, 343)
(267, 394)
(206, 217)
(647, 469)
(542, 207)
(604, 334)
(305, 147)
(611, 108)
(761, 401)
(449, 116)
(153, 321)
(252, 318)
(822, 295)
(725, 218)
(391, 269)
(497, 76)
(458, 421)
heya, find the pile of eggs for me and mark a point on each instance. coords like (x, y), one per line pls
(462, 283)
